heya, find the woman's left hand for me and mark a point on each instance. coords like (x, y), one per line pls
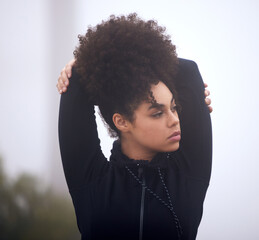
(207, 99)
(63, 82)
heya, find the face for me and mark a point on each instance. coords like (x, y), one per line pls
(156, 126)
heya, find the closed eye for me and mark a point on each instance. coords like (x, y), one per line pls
(174, 108)
(157, 114)
(160, 113)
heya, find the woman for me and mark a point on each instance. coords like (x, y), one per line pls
(155, 183)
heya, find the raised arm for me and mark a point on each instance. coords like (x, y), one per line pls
(196, 143)
(81, 153)
(66, 73)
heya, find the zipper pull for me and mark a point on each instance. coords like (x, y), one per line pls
(140, 172)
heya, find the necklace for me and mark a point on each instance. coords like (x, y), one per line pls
(169, 205)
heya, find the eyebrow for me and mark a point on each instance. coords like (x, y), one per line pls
(158, 105)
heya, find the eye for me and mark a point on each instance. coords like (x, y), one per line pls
(157, 114)
(174, 108)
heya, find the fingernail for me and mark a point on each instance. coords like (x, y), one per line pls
(64, 89)
(60, 91)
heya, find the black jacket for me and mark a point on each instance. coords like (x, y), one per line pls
(128, 199)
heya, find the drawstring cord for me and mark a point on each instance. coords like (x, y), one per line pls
(176, 219)
(169, 206)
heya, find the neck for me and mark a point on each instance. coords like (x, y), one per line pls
(135, 151)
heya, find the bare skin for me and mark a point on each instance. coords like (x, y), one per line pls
(63, 82)
(155, 128)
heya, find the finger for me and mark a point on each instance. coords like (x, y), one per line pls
(210, 109)
(64, 77)
(205, 85)
(208, 101)
(59, 88)
(60, 82)
(68, 68)
(206, 92)
(62, 86)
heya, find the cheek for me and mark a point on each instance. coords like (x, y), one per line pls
(152, 131)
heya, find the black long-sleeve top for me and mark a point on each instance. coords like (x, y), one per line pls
(133, 199)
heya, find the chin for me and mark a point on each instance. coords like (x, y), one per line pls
(174, 148)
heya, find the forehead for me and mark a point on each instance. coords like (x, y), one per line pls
(161, 96)
(161, 93)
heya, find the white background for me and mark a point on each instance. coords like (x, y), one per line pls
(38, 38)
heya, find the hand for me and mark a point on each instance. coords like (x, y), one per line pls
(207, 100)
(63, 80)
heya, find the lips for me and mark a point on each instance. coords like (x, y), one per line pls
(176, 136)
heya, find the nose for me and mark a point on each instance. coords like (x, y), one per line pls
(173, 119)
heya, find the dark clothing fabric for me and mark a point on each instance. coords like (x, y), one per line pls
(117, 199)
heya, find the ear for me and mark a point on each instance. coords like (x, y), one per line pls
(121, 123)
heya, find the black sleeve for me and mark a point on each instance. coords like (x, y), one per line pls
(81, 153)
(196, 143)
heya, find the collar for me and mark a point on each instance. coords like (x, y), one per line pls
(118, 158)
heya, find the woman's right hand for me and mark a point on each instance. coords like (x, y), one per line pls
(63, 80)
(66, 73)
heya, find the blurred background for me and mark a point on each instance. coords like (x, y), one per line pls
(38, 38)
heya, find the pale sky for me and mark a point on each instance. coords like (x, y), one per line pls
(38, 38)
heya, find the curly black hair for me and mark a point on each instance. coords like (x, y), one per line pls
(118, 61)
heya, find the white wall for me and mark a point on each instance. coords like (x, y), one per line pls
(23, 89)
(37, 39)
